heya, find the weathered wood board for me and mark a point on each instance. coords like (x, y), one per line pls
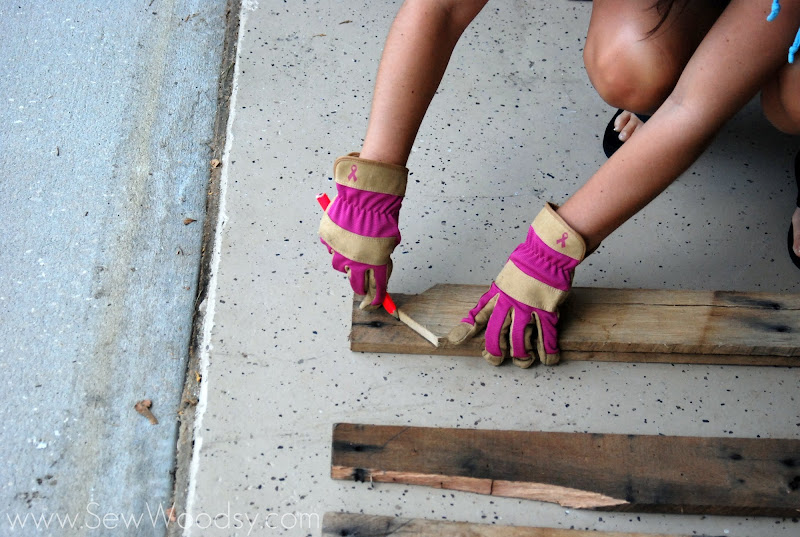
(663, 474)
(338, 524)
(620, 325)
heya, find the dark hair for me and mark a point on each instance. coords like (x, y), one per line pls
(664, 8)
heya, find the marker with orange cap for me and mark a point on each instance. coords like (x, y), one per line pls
(388, 304)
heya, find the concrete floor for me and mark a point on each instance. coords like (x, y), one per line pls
(515, 124)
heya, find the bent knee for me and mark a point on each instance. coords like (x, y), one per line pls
(630, 76)
(781, 106)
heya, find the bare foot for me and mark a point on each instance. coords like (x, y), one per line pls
(625, 124)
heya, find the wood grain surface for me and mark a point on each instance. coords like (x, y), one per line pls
(351, 524)
(620, 325)
(665, 474)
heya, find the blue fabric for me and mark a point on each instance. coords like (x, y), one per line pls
(795, 47)
(776, 9)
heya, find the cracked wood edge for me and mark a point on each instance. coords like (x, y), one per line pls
(563, 496)
(695, 475)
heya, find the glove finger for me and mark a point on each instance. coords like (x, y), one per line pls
(462, 332)
(528, 361)
(328, 246)
(377, 280)
(547, 340)
(496, 338)
(476, 319)
(370, 301)
(480, 314)
(521, 330)
(357, 274)
(340, 262)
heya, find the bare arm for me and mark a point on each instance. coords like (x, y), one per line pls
(731, 64)
(417, 51)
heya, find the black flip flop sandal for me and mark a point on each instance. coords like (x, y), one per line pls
(793, 256)
(611, 141)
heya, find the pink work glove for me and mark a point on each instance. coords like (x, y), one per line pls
(521, 306)
(360, 225)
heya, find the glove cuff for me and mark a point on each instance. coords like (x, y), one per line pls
(557, 234)
(370, 175)
(361, 223)
(539, 272)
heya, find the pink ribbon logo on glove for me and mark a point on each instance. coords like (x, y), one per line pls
(563, 240)
(352, 175)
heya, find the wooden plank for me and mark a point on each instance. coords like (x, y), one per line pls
(620, 325)
(664, 474)
(338, 524)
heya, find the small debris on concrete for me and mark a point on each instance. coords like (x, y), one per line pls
(187, 221)
(143, 408)
(215, 163)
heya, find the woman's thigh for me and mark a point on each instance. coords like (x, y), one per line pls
(634, 67)
(780, 101)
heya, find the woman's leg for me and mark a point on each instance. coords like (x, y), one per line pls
(360, 226)
(633, 69)
(722, 75)
(779, 99)
(796, 217)
(418, 48)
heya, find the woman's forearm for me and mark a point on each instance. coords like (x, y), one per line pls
(418, 49)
